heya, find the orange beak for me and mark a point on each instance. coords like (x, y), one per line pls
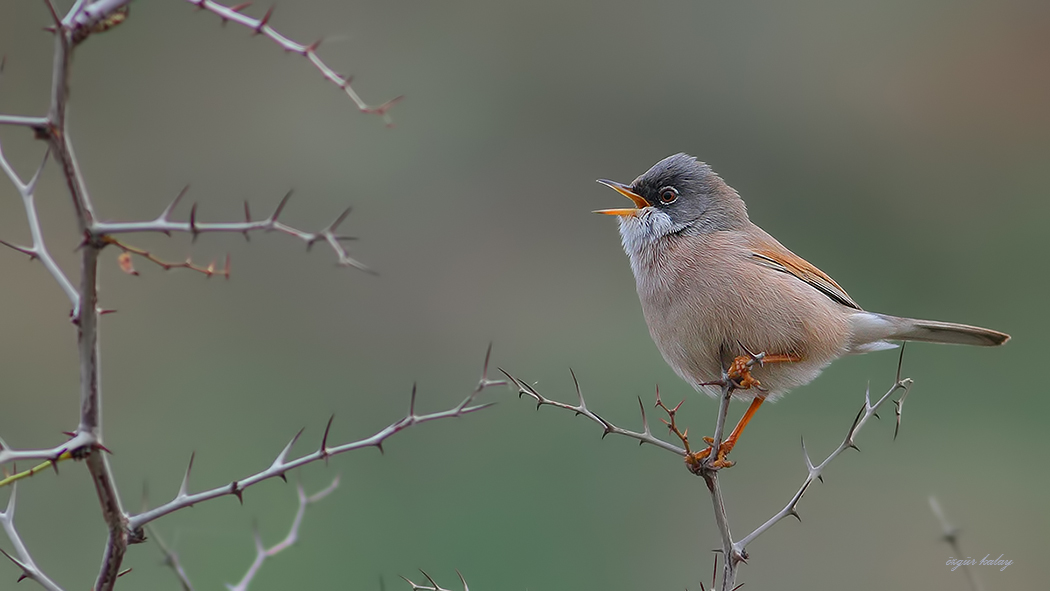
(627, 192)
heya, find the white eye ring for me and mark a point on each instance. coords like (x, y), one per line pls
(668, 195)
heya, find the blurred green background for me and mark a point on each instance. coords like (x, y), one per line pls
(900, 146)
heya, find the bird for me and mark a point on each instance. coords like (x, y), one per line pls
(724, 299)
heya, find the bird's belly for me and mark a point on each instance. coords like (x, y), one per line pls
(699, 343)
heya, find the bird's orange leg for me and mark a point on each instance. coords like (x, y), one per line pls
(739, 373)
(727, 445)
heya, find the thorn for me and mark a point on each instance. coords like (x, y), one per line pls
(897, 404)
(485, 367)
(103, 448)
(247, 220)
(432, 582)
(795, 514)
(31, 252)
(579, 392)
(70, 433)
(645, 421)
(339, 220)
(265, 19)
(171, 206)
(283, 456)
(346, 82)
(193, 222)
(280, 206)
(324, 439)
(184, 488)
(900, 361)
(124, 572)
(383, 108)
(312, 47)
(412, 402)
(226, 268)
(237, 491)
(240, 7)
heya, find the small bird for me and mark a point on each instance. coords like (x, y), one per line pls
(723, 297)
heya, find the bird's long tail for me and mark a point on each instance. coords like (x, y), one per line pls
(870, 328)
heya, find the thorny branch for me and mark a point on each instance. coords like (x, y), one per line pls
(163, 224)
(281, 464)
(82, 20)
(261, 27)
(815, 472)
(580, 408)
(734, 552)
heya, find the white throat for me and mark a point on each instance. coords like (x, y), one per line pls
(641, 235)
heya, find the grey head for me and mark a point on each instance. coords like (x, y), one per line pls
(678, 194)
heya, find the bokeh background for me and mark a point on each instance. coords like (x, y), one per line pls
(900, 146)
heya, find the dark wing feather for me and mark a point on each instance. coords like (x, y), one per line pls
(792, 264)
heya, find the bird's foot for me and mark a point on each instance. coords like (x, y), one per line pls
(702, 459)
(739, 372)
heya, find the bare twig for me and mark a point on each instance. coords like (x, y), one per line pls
(125, 261)
(23, 559)
(262, 552)
(261, 27)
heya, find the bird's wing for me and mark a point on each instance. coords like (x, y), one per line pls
(785, 261)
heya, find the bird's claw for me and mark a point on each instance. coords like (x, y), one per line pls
(702, 459)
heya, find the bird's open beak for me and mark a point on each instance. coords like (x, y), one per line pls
(627, 192)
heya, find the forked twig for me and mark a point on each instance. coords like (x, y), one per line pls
(262, 552)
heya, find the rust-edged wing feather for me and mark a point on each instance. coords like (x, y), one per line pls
(788, 262)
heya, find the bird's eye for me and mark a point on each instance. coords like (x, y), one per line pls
(668, 195)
